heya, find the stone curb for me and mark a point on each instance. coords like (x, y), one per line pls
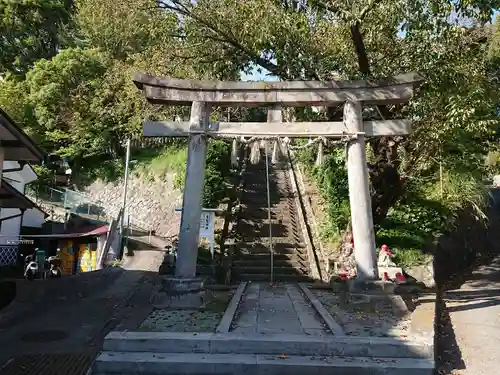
(423, 318)
(334, 327)
(314, 267)
(311, 217)
(191, 364)
(227, 319)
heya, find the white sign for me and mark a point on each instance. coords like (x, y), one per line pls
(207, 224)
(207, 230)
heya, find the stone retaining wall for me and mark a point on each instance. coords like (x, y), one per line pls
(151, 202)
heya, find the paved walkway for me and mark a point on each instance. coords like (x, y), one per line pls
(62, 329)
(274, 309)
(474, 313)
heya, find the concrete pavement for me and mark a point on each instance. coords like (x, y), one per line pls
(58, 327)
(473, 316)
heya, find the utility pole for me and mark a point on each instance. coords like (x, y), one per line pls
(125, 185)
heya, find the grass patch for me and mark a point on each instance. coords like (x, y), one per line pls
(426, 213)
(410, 225)
(331, 180)
(151, 164)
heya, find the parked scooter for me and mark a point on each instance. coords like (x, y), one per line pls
(32, 271)
(54, 266)
(30, 268)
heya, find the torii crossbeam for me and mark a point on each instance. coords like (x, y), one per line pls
(202, 95)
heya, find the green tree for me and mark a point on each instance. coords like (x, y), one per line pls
(85, 105)
(82, 103)
(453, 110)
(31, 30)
(61, 92)
(126, 28)
(14, 101)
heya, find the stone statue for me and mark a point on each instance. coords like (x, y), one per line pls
(384, 257)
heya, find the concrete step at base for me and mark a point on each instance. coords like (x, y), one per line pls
(115, 363)
(227, 343)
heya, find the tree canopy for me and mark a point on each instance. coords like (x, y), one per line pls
(32, 30)
(446, 41)
(67, 69)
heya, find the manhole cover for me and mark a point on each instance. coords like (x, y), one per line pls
(44, 336)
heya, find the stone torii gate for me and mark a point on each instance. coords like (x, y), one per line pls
(202, 95)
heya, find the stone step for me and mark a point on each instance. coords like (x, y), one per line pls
(260, 244)
(276, 277)
(298, 256)
(264, 251)
(266, 262)
(262, 229)
(118, 363)
(256, 215)
(227, 343)
(278, 201)
(260, 190)
(260, 200)
(255, 222)
(286, 270)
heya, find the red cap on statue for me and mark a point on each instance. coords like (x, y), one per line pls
(385, 249)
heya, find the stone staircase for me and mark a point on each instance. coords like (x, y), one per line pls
(252, 258)
(168, 353)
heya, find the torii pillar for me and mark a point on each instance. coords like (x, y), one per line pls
(185, 290)
(359, 196)
(185, 267)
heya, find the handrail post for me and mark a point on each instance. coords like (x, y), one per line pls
(273, 115)
(125, 183)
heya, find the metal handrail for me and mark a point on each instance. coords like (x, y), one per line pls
(146, 226)
(109, 210)
(59, 191)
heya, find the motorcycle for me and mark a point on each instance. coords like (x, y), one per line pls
(30, 268)
(54, 266)
(32, 271)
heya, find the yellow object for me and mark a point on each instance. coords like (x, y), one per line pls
(67, 257)
(94, 259)
(85, 259)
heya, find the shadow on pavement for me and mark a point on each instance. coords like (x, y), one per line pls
(465, 256)
(57, 326)
(448, 355)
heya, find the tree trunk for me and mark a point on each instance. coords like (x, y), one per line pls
(385, 182)
(386, 185)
